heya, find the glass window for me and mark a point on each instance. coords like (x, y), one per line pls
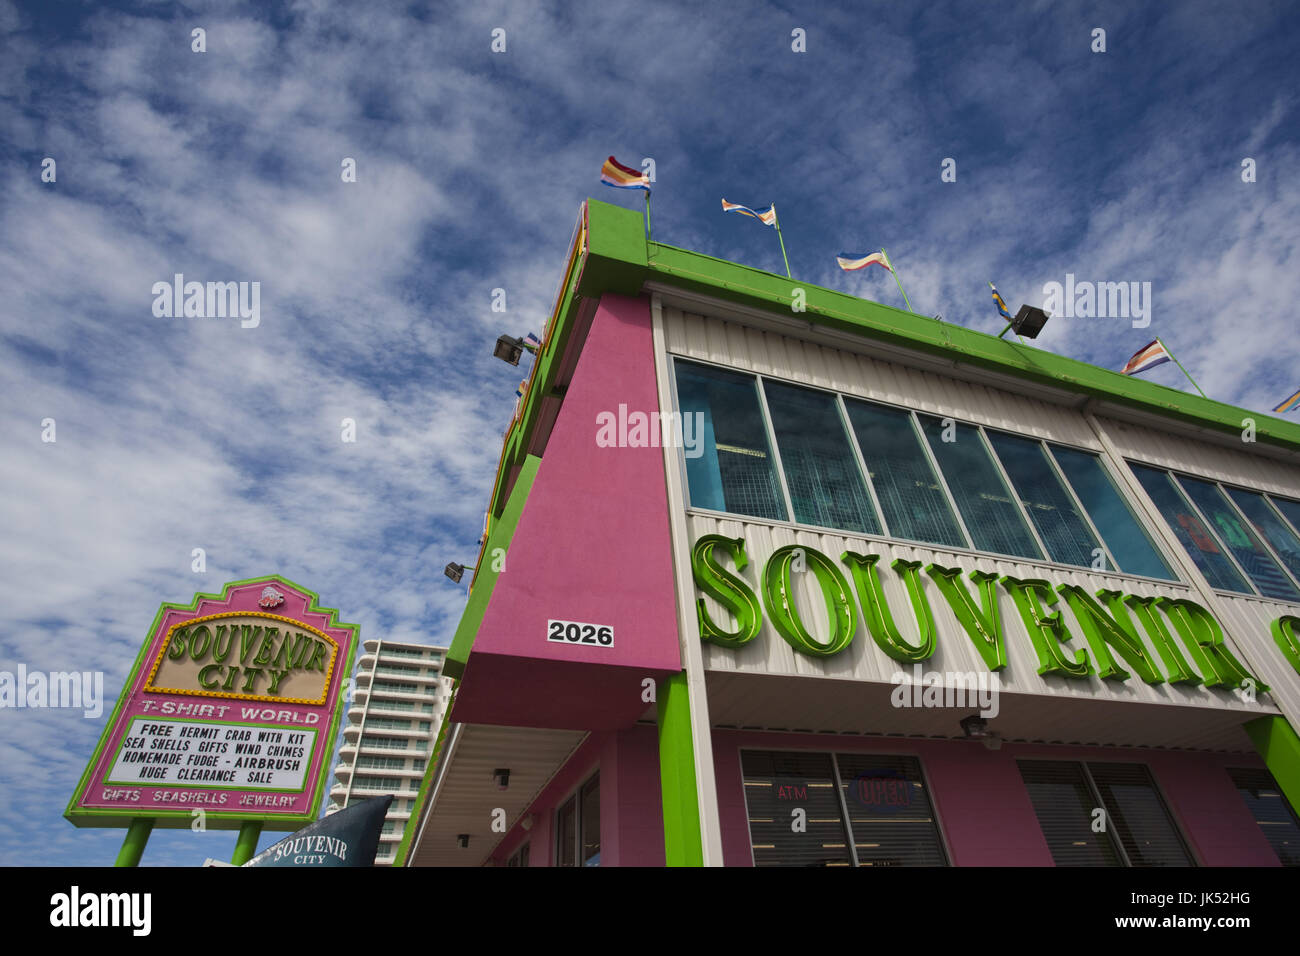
(566, 833)
(1064, 531)
(1241, 541)
(776, 785)
(1189, 529)
(1128, 543)
(1064, 803)
(889, 811)
(910, 495)
(826, 486)
(589, 812)
(519, 857)
(1270, 527)
(1139, 816)
(991, 515)
(733, 471)
(1271, 811)
(1290, 510)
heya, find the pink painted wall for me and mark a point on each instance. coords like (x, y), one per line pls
(631, 812)
(592, 546)
(984, 810)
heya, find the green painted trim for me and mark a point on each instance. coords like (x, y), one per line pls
(137, 835)
(1277, 743)
(485, 578)
(426, 787)
(246, 844)
(683, 841)
(219, 819)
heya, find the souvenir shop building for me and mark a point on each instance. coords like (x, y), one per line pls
(843, 585)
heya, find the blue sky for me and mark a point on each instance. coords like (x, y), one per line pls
(175, 434)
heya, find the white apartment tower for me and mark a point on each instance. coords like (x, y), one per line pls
(397, 707)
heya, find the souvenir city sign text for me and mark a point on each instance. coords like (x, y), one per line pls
(230, 709)
(1107, 620)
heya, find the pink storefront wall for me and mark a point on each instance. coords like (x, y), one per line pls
(985, 812)
(631, 808)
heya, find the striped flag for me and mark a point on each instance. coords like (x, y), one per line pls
(615, 174)
(766, 216)
(532, 340)
(523, 387)
(1002, 306)
(1290, 405)
(853, 261)
(1148, 356)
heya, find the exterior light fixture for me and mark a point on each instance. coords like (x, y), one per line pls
(456, 571)
(509, 349)
(975, 727)
(462, 841)
(1028, 322)
(502, 778)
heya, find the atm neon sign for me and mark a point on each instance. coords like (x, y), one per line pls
(1115, 647)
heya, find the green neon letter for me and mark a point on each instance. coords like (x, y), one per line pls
(840, 607)
(1285, 637)
(880, 622)
(1047, 631)
(983, 627)
(727, 589)
(1179, 671)
(1100, 630)
(1204, 639)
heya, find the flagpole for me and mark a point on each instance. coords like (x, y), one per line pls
(777, 220)
(1180, 365)
(647, 215)
(896, 279)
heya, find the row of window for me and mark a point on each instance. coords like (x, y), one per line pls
(774, 450)
(395, 687)
(392, 743)
(405, 706)
(1241, 540)
(406, 652)
(845, 463)
(389, 723)
(837, 809)
(388, 763)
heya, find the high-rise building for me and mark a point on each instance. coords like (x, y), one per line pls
(397, 707)
(796, 578)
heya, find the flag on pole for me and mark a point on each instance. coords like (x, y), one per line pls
(615, 174)
(766, 216)
(1149, 356)
(853, 261)
(1002, 306)
(523, 387)
(1291, 404)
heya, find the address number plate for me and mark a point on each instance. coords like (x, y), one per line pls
(574, 632)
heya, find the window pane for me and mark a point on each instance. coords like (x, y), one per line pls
(1141, 819)
(566, 834)
(1271, 811)
(778, 783)
(1241, 541)
(889, 811)
(1063, 803)
(914, 504)
(734, 471)
(1065, 533)
(992, 517)
(821, 471)
(591, 823)
(1269, 526)
(1290, 509)
(1190, 530)
(1119, 527)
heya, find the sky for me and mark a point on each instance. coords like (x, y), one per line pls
(171, 434)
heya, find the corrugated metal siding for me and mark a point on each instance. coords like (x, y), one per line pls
(864, 661)
(769, 353)
(1235, 465)
(1249, 619)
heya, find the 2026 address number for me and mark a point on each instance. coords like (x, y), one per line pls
(574, 632)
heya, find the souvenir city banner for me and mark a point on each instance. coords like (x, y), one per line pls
(230, 709)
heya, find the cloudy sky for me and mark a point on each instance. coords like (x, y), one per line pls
(175, 434)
